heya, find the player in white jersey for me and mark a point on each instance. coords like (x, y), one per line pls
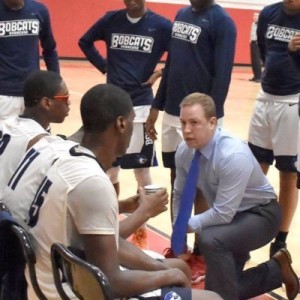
(22, 188)
(46, 100)
(77, 205)
(16, 133)
(23, 185)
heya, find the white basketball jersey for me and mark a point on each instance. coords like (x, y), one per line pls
(23, 185)
(53, 217)
(15, 134)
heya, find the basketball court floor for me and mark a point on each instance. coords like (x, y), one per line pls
(80, 76)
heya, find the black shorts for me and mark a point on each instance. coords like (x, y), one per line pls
(283, 163)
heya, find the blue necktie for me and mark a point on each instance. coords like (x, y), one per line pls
(178, 239)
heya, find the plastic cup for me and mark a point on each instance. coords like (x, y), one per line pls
(152, 188)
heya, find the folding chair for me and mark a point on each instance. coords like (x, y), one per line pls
(86, 280)
(13, 285)
(16, 251)
(27, 249)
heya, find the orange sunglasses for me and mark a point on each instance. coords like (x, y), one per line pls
(64, 98)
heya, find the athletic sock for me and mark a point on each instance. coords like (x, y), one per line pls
(281, 236)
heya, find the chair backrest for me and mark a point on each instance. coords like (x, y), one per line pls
(16, 250)
(86, 280)
(6, 258)
(29, 256)
(8, 254)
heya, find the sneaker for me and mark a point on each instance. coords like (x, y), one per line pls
(276, 246)
(197, 278)
(198, 268)
(168, 253)
(140, 238)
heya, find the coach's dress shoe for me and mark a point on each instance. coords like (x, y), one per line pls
(289, 277)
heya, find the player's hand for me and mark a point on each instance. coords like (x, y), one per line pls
(294, 44)
(153, 204)
(152, 79)
(150, 123)
(179, 278)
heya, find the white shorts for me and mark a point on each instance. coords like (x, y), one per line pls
(274, 128)
(10, 106)
(141, 150)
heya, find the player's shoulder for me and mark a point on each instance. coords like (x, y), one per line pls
(272, 8)
(37, 5)
(159, 18)
(219, 13)
(26, 126)
(112, 15)
(154, 20)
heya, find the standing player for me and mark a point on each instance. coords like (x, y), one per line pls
(273, 130)
(46, 100)
(135, 39)
(200, 59)
(23, 24)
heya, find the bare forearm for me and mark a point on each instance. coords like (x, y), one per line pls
(132, 257)
(128, 205)
(131, 223)
(145, 281)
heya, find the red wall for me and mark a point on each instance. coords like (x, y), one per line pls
(71, 18)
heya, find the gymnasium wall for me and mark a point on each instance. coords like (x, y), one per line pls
(71, 18)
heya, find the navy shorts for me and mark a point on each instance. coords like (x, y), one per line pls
(170, 293)
(283, 163)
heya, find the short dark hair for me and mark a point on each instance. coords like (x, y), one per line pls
(39, 84)
(103, 104)
(204, 100)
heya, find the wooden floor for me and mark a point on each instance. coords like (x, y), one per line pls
(80, 76)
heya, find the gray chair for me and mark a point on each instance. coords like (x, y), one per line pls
(86, 280)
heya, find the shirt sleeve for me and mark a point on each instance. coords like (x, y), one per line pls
(93, 206)
(234, 173)
(224, 49)
(48, 43)
(261, 30)
(87, 44)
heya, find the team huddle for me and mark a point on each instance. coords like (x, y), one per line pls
(65, 189)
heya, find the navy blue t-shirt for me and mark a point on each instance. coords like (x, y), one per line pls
(133, 50)
(274, 31)
(200, 58)
(20, 34)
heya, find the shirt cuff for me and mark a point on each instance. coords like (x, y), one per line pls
(195, 224)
